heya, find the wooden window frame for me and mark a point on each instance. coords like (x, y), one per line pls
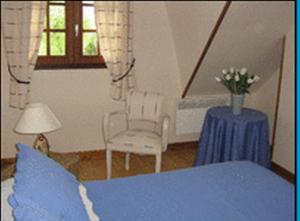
(73, 57)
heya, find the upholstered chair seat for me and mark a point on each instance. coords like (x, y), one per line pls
(136, 141)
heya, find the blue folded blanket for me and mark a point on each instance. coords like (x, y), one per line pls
(233, 191)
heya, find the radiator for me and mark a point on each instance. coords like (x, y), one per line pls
(191, 111)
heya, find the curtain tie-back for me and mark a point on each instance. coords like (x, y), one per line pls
(16, 79)
(126, 73)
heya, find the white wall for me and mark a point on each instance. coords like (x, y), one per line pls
(80, 97)
(284, 144)
(265, 100)
(249, 36)
(191, 24)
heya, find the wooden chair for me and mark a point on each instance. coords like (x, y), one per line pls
(143, 107)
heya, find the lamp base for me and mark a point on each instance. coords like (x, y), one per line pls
(41, 144)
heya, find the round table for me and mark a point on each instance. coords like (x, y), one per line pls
(229, 137)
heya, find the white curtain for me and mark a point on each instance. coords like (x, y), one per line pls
(114, 30)
(23, 23)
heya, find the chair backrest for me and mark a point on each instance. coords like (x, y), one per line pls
(144, 106)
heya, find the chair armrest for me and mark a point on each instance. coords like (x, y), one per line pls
(165, 120)
(106, 123)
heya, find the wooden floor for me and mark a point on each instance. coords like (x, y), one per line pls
(177, 156)
(93, 163)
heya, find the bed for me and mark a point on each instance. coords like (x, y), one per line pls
(240, 191)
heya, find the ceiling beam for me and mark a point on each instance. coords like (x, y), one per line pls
(278, 94)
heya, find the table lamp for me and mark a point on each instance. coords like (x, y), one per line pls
(37, 119)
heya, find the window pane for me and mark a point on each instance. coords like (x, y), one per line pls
(57, 17)
(43, 46)
(89, 44)
(88, 18)
(57, 43)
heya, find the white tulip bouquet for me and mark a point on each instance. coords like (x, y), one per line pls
(237, 81)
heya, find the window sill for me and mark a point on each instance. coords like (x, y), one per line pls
(68, 66)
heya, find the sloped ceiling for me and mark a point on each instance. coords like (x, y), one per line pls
(191, 24)
(250, 36)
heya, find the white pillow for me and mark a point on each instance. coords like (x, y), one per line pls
(87, 203)
(6, 190)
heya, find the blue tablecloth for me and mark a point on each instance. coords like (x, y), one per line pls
(228, 137)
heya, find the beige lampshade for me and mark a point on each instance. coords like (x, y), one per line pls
(37, 118)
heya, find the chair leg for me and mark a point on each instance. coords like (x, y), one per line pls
(108, 164)
(127, 160)
(157, 162)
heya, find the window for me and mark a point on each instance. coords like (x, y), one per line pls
(69, 37)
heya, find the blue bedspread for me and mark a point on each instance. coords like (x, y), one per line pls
(233, 191)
